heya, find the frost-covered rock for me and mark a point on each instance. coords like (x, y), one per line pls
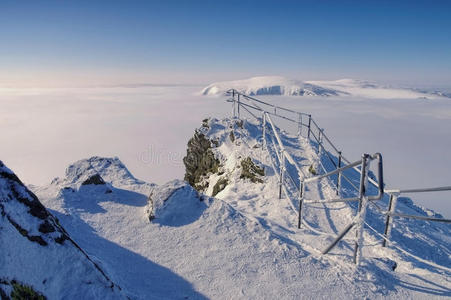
(174, 203)
(199, 160)
(96, 170)
(219, 154)
(37, 252)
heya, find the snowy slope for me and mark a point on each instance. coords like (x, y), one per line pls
(276, 85)
(37, 252)
(243, 243)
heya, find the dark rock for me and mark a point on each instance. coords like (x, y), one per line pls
(251, 171)
(60, 240)
(46, 227)
(232, 136)
(199, 160)
(94, 179)
(219, 186)
(68, 189)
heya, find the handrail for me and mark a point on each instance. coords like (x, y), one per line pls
(423, 190)
(231, 91)
(394, 194)
(321, 140)
(312, 121)
(284, 152)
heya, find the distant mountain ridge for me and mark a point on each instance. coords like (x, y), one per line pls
(277, 85)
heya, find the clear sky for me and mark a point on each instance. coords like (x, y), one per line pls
(50, 43)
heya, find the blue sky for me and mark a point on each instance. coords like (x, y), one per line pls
(120, 42)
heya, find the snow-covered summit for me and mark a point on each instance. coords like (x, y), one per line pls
(276, 85)
(110, 170)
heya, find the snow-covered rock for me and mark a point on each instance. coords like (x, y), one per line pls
(174, 203)
(276, 85)
(97, 169)
(36, 251)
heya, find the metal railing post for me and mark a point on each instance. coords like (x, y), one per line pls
(264, 130)
(363, 202)
(389, 218)
(238, 106)
(233, 104)
(282, 171)
(300, 125)
(301, 200)
(309, 125)
(339, 174)
(320, 131)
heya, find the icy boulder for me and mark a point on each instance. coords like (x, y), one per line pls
(37, 252)
(175, 203)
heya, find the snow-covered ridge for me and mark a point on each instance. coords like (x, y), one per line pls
(276, 85)
(37, 252)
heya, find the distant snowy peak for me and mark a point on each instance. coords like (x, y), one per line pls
(269, 85)
(276, 85)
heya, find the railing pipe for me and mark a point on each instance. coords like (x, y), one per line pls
(234, 104)
(301, 200)
(362, 209)
(424, 218)
(238, 106)
(299, 125)
(316, 178)
(285, 153)
(423, 190)
(282, 171)
(263, 130)
(389, 218)
(339, 237)
(319, 140)
(339, 174)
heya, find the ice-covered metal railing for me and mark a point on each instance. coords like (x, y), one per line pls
(303, 120)
(363, 199)
(283, 153)
(322, 140)
(391, 213)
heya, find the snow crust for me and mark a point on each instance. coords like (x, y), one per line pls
(276, 85)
